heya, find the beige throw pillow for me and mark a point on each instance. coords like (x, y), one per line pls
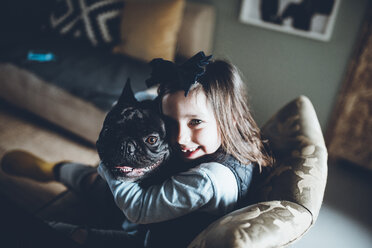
(149, 29)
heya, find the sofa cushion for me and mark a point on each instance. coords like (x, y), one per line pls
(149, 29)
(94, 21)
(197, 29)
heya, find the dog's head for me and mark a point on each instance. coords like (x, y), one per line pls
(132, 142)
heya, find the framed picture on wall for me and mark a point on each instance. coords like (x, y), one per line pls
(307, 18)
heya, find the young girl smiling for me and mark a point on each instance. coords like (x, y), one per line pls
(192, 124)
(212, 132)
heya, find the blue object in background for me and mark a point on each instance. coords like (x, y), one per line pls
(40, 56)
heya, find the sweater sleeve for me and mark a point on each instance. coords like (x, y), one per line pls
(177, 196)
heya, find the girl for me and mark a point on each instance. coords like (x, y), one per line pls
(216, 144)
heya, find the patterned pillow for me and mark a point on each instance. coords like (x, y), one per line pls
(97, 21)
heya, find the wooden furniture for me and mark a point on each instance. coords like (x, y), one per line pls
(349, 133)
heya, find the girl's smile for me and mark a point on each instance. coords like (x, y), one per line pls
(192, 125)
(189, 153)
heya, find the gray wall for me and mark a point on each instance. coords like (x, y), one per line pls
(278, 66)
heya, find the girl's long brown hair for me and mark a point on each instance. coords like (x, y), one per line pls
(227, 94)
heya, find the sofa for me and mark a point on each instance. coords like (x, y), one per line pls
(285, 199)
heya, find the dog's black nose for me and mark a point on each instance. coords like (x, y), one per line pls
(130, 148)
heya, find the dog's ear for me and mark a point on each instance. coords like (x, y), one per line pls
(127, 95)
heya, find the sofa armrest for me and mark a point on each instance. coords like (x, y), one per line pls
(26, 90)
(300, 172)
(265, 224)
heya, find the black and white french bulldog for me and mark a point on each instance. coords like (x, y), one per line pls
(132, 142)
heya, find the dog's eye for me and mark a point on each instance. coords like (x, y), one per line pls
(152, 140)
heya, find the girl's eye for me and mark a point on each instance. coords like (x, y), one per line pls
(195, 122)
(152, 140)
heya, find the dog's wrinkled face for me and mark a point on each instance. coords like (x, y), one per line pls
(132, 142)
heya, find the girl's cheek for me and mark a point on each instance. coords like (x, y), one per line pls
(204, 137)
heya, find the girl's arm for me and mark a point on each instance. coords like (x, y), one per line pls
(177, 196)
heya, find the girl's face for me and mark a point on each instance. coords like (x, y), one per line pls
(192, 125)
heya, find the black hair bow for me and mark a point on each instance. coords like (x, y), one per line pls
(185, 75)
